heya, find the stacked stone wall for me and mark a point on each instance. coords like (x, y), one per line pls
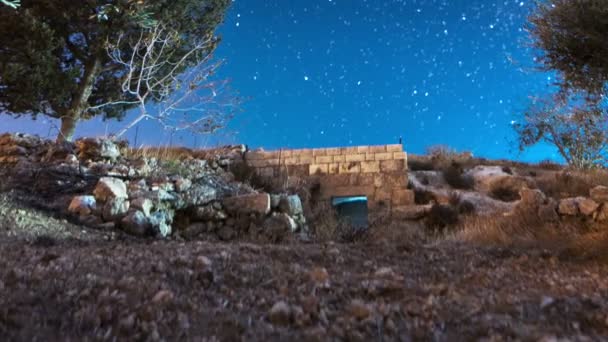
(377, 172)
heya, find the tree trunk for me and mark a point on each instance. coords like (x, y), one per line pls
(79, 101)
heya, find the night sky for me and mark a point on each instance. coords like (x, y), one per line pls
(358, 72)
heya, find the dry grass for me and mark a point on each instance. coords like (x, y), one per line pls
(571, 183)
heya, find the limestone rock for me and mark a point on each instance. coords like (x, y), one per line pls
(142, 204)
(115, 209)
(291, 205)
(200, 195)
(248, 204)
(135, 223)
(548, 211)
(602, 213)
(109, 188)
(82, 205)
(587, 206)
(97, 148)
(412, 212)
(568, 206)
(182, 184)
(278, 226)
(160, 222)
(599, 194)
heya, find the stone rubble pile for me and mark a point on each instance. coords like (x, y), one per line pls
(594, 207)
(149, 197)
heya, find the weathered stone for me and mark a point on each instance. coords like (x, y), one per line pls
(547, 212)
(82, 205)
(412, 212)
(602, 213)
(182, 184)
(246, 204)
(280, 313)
(160, 222)
(142, 204)
(203, 213)
(278, 226)
(97, 148)
(587, 206)
(599, 194)
(135, 223)
(531, 197)
(115, 209)
(200, 195)
(291, 205)
(568, 207)
(109, 188)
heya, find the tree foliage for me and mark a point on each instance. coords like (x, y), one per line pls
(577, 130)
(11, 3)
(53, 55)
(571, 36)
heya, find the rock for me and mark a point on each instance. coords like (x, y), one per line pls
(135, 223)
(109, 188)
(601, 214)
(82, 205)
(204, 213)
(319, 276)
(160, 223)
(359, 310)
(248, 204)
(144, 205)
(291, 205)
(274, 201)
(200, 195)
(194, 230)
(587, 206)
(599, 194)
(115, 209)
(280, 314)
(163, 297)
(97, 148)
(182, 184)
(531, 198)
(568, 207)
(278, 226)
(226, 233)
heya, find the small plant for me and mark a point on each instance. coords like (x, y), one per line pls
(454, 175)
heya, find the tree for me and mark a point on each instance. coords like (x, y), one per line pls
(191, 100)
(11, 3)
(571, 38)
(54, 61)
(577, 129)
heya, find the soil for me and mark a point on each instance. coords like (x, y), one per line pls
(61, 281)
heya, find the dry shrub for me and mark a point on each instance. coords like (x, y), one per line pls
(328, 226)
(420, 163)
(454, 175)
(571, 183)
(388, 229)
(161, 153)
(422, 196)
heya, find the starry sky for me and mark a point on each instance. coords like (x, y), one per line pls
(321, 73)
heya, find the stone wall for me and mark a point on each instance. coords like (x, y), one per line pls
(377, 172)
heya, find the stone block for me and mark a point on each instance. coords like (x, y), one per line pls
(333, 151)
(286, 153)
(392, 165)
(319, 152)
(377, 149)
(315, 169)
(291, 161)
(352, 167)
(339, 159)
(267, 172)
(362, 149)
(411, 212)
(302, 160)
(332, 181)
(303, 152)
(399, 156)
(370, 166)
(383, 194)
(599, 194)
(347, 191)
(370, 156)
(256, 163)
(394, 148)
(333, 168)
(349, 150)
(354, 157)
(362, 179)
(403, 197)
(384, 156)
(324, 159)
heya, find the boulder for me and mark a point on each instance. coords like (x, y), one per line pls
(160, 223)
(587, 206)
(142, 204)
(568, 206)
(278, 226)
(412, 212)
(200, 195)
(115, 209)
(97, 148)
(82, 205)
(248, 204)
(531, 198)
(135, 223)
(182, 184)
(109, 188)
(601, 215)
(599, 194)
(291, 205)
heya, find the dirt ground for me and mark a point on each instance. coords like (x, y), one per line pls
(64, 282)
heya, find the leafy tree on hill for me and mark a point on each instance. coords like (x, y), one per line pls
(54, 56)
(571, 38)
(11, 3)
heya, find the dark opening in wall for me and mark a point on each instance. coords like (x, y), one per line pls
(352, 209)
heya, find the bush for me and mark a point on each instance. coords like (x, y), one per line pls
(455, 177)
(441, 217)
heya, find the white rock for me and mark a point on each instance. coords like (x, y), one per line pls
(108, 188)
(82, 205)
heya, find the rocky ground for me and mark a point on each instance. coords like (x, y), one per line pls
(61, 281)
